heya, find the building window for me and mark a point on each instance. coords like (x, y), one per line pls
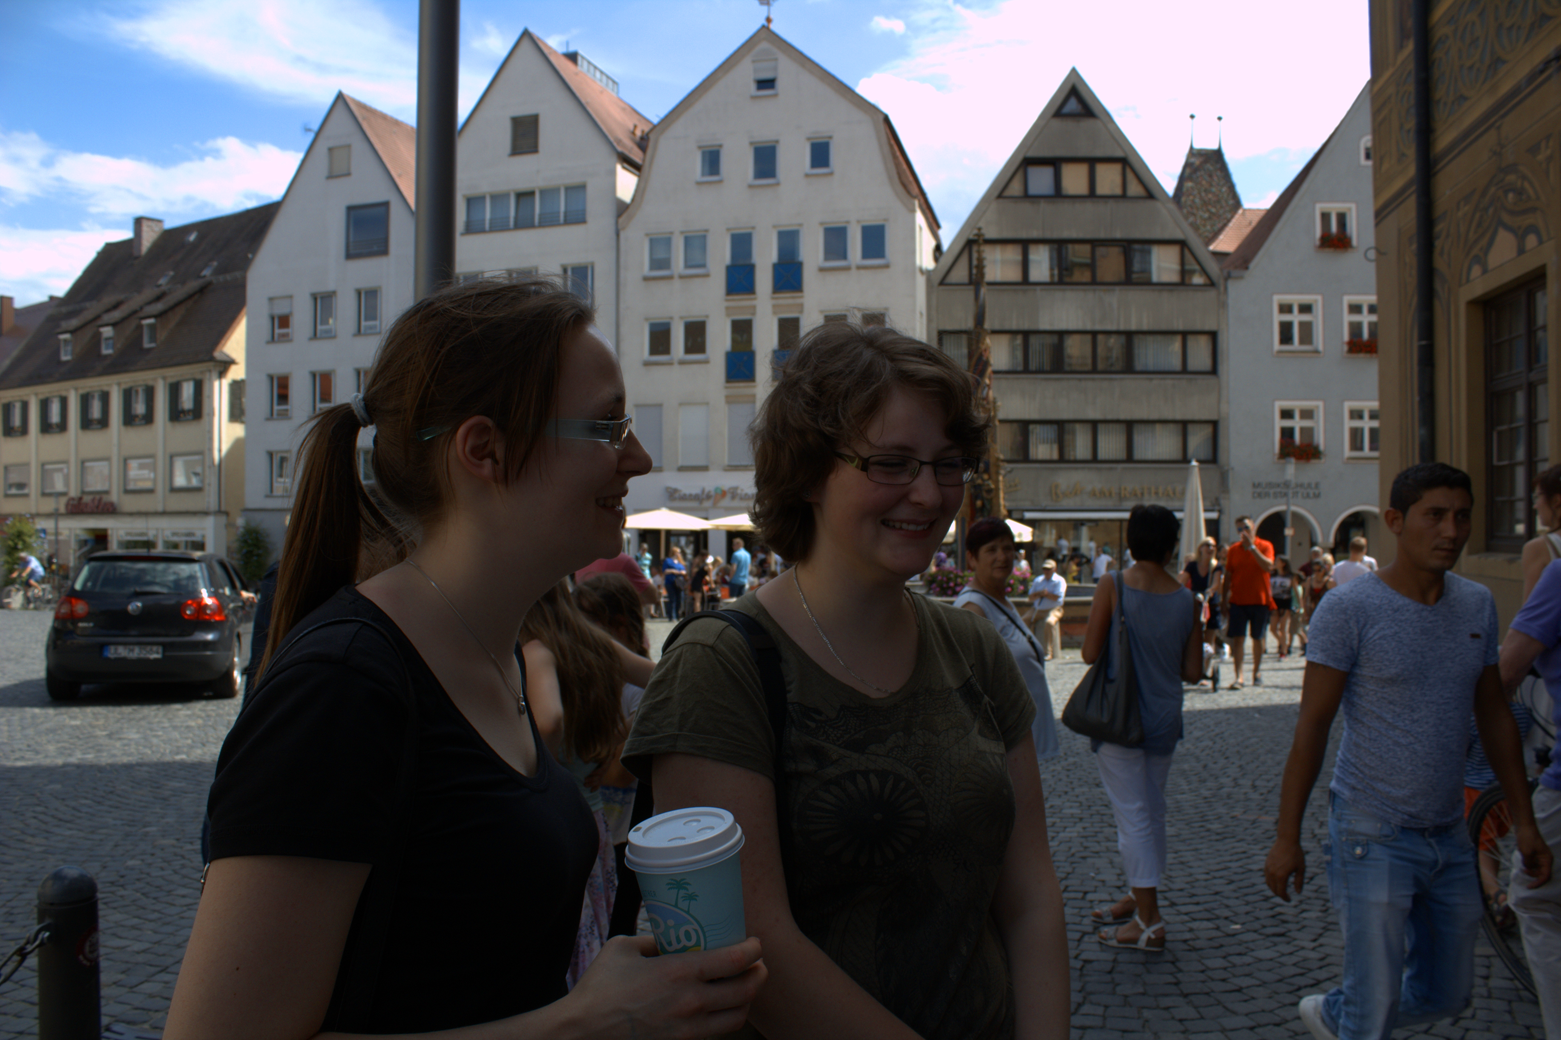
(739, 264)
(324, 315)
(710, 164)
(281, 318)
(360, 377)
(184, 400)
(54, 478)
(658, 254)
(1517, 411)
(788, 331)
(695, 253)
(107, 340)
(1360, 324)
(739, 416)
(1295, 324)
(647, 428)
(742, 335)
(658, 339)
(874, 246)
(765, 71)
(957, 346)
(694, 338)
(693, 435)
(51, 414)
(366, 465)
(1298, 430)
(1335, 225)
(1362, 421)
(368, 311)
(1077, 263)
(322, 390)
(1365, 150)
(1092, 352)
(281, 396)
(837, 244)
(18, 476)
(148, 333)
(96, 477)
(65, 346)
(479, 211)
(820, 159)
(368, 230)
(94, 410)
(764, 163)
(340, 159)
(140, 475)
(236, 400)
(1106, 441)
(523, 135)
(184, 472)
(137, 409)
(1101, 178)
(15, 419)
(279, 465)
(578, 280)
(874, 319)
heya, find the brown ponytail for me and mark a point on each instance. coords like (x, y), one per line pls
(484, 348)
(590, 676)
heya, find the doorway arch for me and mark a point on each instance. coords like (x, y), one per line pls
(1271, 525)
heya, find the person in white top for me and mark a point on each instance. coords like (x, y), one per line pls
(1063, 546)
(1047, 592)
(1357, 566)
(1102, 564)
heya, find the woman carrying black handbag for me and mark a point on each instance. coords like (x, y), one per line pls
(1165, 649)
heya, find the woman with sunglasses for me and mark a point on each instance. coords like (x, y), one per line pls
(903, 884)
(394, 848)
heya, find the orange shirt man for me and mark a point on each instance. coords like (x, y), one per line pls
(1249, 562)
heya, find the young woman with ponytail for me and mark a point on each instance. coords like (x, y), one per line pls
(394, 848)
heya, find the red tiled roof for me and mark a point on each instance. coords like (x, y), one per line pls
(624, 125)
(396, 143)
(1231, 234)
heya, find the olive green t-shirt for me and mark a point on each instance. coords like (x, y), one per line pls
(899, 808)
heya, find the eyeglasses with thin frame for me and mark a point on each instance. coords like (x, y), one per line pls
(902, 469)
(609, 431)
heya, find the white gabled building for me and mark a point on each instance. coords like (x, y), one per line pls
(334, 271)
(546, 161)
(774, 198)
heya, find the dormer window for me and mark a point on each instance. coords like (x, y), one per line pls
(148, 333)
(340, 159)
(65, 346)
(764, 75)
(206, 271)
(1365, 150)
(166, 278)
(107, 332)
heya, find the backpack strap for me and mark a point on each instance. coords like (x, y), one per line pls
(767, 660)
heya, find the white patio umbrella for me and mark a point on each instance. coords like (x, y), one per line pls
(665, 520)
(1192, 516)
(1021, 532)
(735, 522)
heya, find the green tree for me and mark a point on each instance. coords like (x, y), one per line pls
(252, 552)
(20, 536)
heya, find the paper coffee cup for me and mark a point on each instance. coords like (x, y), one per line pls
(691, 878)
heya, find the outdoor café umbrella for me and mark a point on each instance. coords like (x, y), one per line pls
(1021, 532)
(1192, 516)
(665, 520)
(735, 522)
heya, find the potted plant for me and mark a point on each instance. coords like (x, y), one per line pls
(1360, 345)
(1334, 240)
(1289, 449)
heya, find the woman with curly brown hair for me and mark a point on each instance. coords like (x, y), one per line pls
(902, 883)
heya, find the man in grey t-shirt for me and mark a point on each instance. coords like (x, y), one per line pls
(1406, 653)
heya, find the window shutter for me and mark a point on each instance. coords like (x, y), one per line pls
(200, 393)
(124, 412)
(522, 135)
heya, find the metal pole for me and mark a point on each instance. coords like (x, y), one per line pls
(438, 39)
(68, 990)
(1289, 516)
(1425, 270)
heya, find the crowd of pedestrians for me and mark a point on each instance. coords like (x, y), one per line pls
(436, 701)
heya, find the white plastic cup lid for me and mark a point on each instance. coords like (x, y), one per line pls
(683, 839)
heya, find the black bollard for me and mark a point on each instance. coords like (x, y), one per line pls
(68, 992)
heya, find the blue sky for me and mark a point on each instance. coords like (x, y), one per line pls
(183, 109)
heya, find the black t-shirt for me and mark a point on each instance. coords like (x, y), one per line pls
(493, 863)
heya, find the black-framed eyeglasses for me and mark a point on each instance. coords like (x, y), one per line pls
(902, 469)
(610, 431)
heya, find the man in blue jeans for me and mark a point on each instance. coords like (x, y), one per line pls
(1406, 653)
(740, 564)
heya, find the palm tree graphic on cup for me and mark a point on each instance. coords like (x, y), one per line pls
(678, 930)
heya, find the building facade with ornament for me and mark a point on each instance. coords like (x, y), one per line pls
(122, 414)
(1105, 316)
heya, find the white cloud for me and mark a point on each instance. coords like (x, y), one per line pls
(36, 263)
(882, 24)
(976, 79)
(218, 176)
(491, 42)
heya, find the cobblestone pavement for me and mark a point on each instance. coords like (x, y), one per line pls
(116, 784)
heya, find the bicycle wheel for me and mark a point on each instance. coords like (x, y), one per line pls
(1490, 828)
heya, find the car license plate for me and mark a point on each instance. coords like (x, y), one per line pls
(134, 653)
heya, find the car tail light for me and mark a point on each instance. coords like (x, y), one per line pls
(70, 609)
(206, 608)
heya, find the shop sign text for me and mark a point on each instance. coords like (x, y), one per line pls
(1122, 492)
(708, 496)
(1274, 490)
(97, 504)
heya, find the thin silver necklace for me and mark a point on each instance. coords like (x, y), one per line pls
(819, 629)
(520, 700)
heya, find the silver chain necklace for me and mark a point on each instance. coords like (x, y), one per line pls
(520, 700)
(817, 628)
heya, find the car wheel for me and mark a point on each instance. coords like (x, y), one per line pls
(59, 689)
(230, 683)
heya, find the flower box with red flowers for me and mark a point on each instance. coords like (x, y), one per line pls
(1360, 346)
(1289, 449)
(1335, 240)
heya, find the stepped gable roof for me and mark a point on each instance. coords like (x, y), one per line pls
(624, 125)
(1232, 234)
(395, 141)
(23, 321)
(1205, 192)
(202, 267)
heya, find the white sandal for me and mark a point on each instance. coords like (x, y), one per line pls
(1108, 937)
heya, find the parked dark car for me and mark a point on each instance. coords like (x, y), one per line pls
(148, 617)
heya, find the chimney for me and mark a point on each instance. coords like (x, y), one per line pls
(146, 231)
(7, 315)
